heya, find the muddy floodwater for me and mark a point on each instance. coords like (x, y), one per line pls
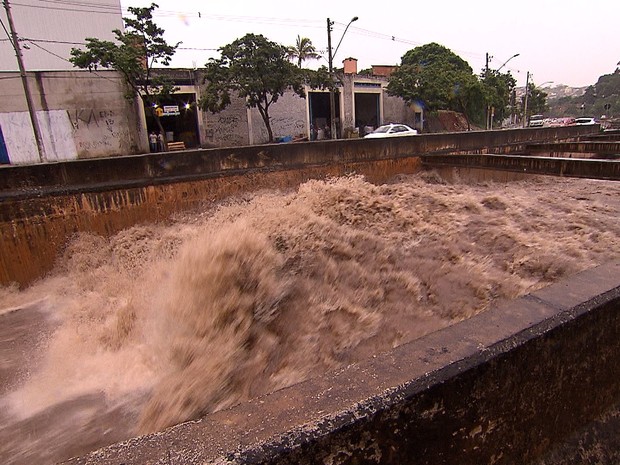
(163, 323)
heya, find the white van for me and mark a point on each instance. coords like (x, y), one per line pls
(537, 121)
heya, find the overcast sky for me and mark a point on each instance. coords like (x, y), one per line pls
(565, 41)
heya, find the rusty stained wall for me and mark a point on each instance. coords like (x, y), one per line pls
(42, 205)
(41, 226)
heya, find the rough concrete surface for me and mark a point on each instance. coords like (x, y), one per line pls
(508, 386)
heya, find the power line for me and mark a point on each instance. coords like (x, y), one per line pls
(42, 7)
(66, 5)
(99, 4)
(50, 41)
(50, 52)
(68, 61)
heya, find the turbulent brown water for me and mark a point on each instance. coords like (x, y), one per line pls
(164, 323)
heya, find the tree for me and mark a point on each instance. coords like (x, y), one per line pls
(438, 78)
(498, 89)
(133, 55)
(302, 50)
(470, 97)
(256, 69)
(536, 100)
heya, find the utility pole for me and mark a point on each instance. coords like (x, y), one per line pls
(486, 75)
(22, 72)
(332, 97)
(527, 91)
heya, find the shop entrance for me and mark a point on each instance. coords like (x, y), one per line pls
(179, 117)
(320, 117)
(367, 114)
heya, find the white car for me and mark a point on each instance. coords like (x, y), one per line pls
(391, 130)
(584, 121)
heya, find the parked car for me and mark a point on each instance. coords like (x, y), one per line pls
(584, 121)
(391, 130)
(537, 121)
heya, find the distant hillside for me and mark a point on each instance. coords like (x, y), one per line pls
(599, 100)
(557, 92)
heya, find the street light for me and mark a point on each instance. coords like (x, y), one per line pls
(332, 97)
(506, 62)
(489, 113)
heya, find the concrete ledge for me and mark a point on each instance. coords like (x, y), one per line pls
(516, 384)
(569, 167)
(93, 175)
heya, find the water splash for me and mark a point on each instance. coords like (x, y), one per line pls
(164, 323)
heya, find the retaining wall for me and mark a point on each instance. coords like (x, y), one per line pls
(474, 166)
(533, 381)
(42, 205)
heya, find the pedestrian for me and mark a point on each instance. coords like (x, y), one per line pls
(153, 141)
(160, 142)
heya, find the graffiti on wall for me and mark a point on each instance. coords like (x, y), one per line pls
(99, 132)
(283, 126)
(287, 118)
(228, 130)
(87, 116)
(56, 135)
(66, 134)
(19, 137)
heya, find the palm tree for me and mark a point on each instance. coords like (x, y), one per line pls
(302, 50)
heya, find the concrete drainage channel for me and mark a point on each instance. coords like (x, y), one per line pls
(534, 380)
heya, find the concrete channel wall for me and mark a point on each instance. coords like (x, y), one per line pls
(533, 381)
(43, 205)
(473, 167)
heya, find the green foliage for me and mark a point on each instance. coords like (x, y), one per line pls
(498, 88)
(606, 91)
(439, 79)
(302, 50)
(602, 98)
(536, 100)
(258, 70)
(133, 54)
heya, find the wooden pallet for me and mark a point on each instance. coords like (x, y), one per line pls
(173, 146)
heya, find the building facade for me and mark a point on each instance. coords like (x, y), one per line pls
(85, 114)
(362, 104)
(80, 115)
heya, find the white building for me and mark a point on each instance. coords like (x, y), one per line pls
(49, 29)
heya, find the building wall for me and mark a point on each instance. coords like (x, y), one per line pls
(392, 109)
(288, 117)
(228, 128)
(80, 114)
(51, 29)
(396, 111)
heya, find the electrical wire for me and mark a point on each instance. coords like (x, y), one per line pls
(69, 61)
(57, 8)
(116, 6)
(113, 8)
